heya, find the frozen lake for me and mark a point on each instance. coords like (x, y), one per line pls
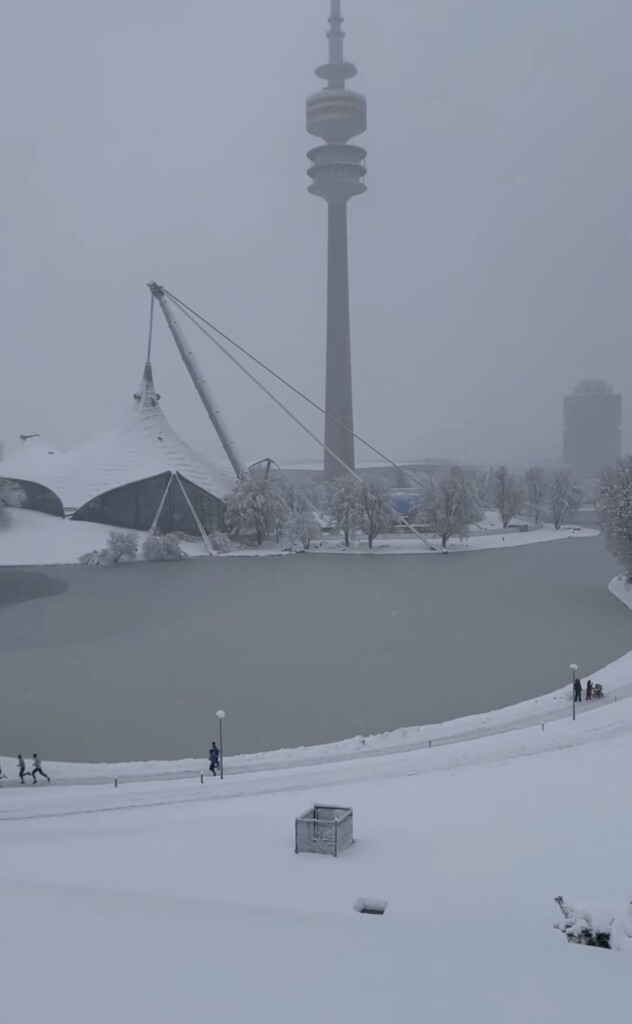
(132, 662)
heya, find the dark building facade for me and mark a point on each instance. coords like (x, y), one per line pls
(592, 428)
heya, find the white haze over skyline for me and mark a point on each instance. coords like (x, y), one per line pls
(490, 258)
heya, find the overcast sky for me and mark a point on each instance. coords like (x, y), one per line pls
(491, 258)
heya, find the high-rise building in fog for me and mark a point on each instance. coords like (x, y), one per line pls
(592, 428)
(337, 114)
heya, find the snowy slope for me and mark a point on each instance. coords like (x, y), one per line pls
(34, 538)
(179, 901)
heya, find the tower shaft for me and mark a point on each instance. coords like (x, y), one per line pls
(338, 389)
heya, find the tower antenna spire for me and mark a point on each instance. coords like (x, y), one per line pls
(335, 34)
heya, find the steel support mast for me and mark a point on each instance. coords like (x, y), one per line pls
(199, 382)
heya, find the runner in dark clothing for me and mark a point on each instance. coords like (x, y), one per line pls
(213, 758)
(37, 769)
(21, 768)
(577, 690)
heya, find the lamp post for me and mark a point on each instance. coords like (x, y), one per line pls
(573, 669)
(221, 715)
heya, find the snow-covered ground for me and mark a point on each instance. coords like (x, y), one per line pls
(179, 901)
(33, 538)
(37, 539)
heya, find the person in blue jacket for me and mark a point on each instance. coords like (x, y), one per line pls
(213, 758)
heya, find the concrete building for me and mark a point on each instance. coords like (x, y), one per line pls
(337, 114)
(592, 428)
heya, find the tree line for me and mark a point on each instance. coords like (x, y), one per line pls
(448, 504)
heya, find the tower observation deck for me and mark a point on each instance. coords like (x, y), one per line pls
(336, 115)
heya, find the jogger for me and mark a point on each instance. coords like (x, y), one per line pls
(37, 769)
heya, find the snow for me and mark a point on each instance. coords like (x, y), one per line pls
(621, 590)
(34, 538)
(173, 900)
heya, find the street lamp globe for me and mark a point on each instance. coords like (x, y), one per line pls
(573, 668)
(220, 715)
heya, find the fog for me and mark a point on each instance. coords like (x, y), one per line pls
(490, 257)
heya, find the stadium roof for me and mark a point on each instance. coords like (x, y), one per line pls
(143, 446)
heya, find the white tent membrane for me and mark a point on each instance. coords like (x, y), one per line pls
(143, 446)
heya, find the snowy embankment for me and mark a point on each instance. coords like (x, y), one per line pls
(34, 538)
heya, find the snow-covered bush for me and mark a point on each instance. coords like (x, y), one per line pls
(220, 543)
(121, 547)
(616, 513)
(596, 924)
(11, 496)
(161, 547)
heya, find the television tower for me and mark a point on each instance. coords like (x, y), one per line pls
(337, 114)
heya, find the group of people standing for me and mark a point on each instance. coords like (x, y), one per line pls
(591, 691)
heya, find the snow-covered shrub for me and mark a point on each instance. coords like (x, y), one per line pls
(91, 558)
(163, 548)
(596, 924)
(11, 496)
(121, 546)
(220, 543)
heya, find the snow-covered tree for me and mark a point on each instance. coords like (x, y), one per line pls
(376, 509)
(343, 506)
(298, 522)
(616, 513)
(535, 492)
(506, 494)
(252, 507)
(301, 527)
(163, 548)
(481, 482)
(564, 496)
(121, 546)
(11, 496)
(448, 505)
